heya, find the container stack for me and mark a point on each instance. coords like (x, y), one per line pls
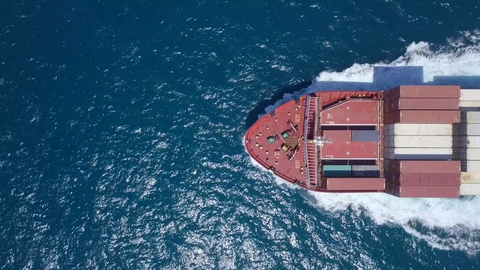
(418, 142)
(424, 178)
(352, 178)
(466, 141)
(422, 105)
(418, 122)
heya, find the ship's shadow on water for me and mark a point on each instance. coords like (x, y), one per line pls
(384, 78)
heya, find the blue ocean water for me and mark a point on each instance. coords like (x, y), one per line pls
(122, 123)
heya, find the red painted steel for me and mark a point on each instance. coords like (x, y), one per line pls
(351, 112)
(421, 104)
(426, 179)
(357, 184)
(424, 91)
(267, 143)
(337, 135)
(350, 150)
(330, 97)
(270, 155)
(424, 166)
(422, 117)
(424, 191)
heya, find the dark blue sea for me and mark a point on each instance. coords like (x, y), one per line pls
(121, 128)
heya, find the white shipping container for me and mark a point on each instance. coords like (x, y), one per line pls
(469, 103)
(419, 129)
(467, 154)
(471, 165)
(473, 117)
(470, 177)
(418, 153)
(420, 141)
(470, 94)
(468, 129)
(466, 142)
(470, 189)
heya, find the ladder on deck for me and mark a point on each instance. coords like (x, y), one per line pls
(311, 149)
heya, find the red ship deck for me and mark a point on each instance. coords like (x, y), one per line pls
(334, 141)
(278, 141)
(271, 155)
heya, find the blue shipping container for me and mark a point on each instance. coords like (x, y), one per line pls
(365, 135)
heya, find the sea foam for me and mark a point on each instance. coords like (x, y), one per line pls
(450, 224)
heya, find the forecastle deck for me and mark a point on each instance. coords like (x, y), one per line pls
(326, 130)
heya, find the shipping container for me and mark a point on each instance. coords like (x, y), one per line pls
(424, 91)
(365, 135)
(418, 153)
(469, 103)
(470, 94)
(470, 177)
(419, 141)
(421, 104)
(365, 171)
(418, 157)
(470, 189)
(425, 166)
(428, 117)
(426, 179)
(337, 135)
(467, 129)
(419, 129)
(471, 117)
(424, 191)
(355, 184)
(471, 165)
(466, 142)
(466, 153)
(337, 170)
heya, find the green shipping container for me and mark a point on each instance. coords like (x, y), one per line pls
(337, 170)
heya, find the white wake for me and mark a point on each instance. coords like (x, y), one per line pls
(443, 223)
(450, 224)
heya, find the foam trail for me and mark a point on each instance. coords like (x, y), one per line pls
(457, 63)
(443, 223)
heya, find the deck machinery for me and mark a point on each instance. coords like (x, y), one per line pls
(409, 141)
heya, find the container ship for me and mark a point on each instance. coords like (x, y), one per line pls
(415, 141)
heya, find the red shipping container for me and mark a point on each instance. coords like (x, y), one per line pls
(422, 117)
(424, 91)
(355, 184)
(424, 166)
(421, 104)
(424, 191)
(337, 135)
(426, 179)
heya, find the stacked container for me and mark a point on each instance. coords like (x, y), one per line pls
(418, 122)
(418, 141)
(422, 104)
(466, 141)
(426, 179)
